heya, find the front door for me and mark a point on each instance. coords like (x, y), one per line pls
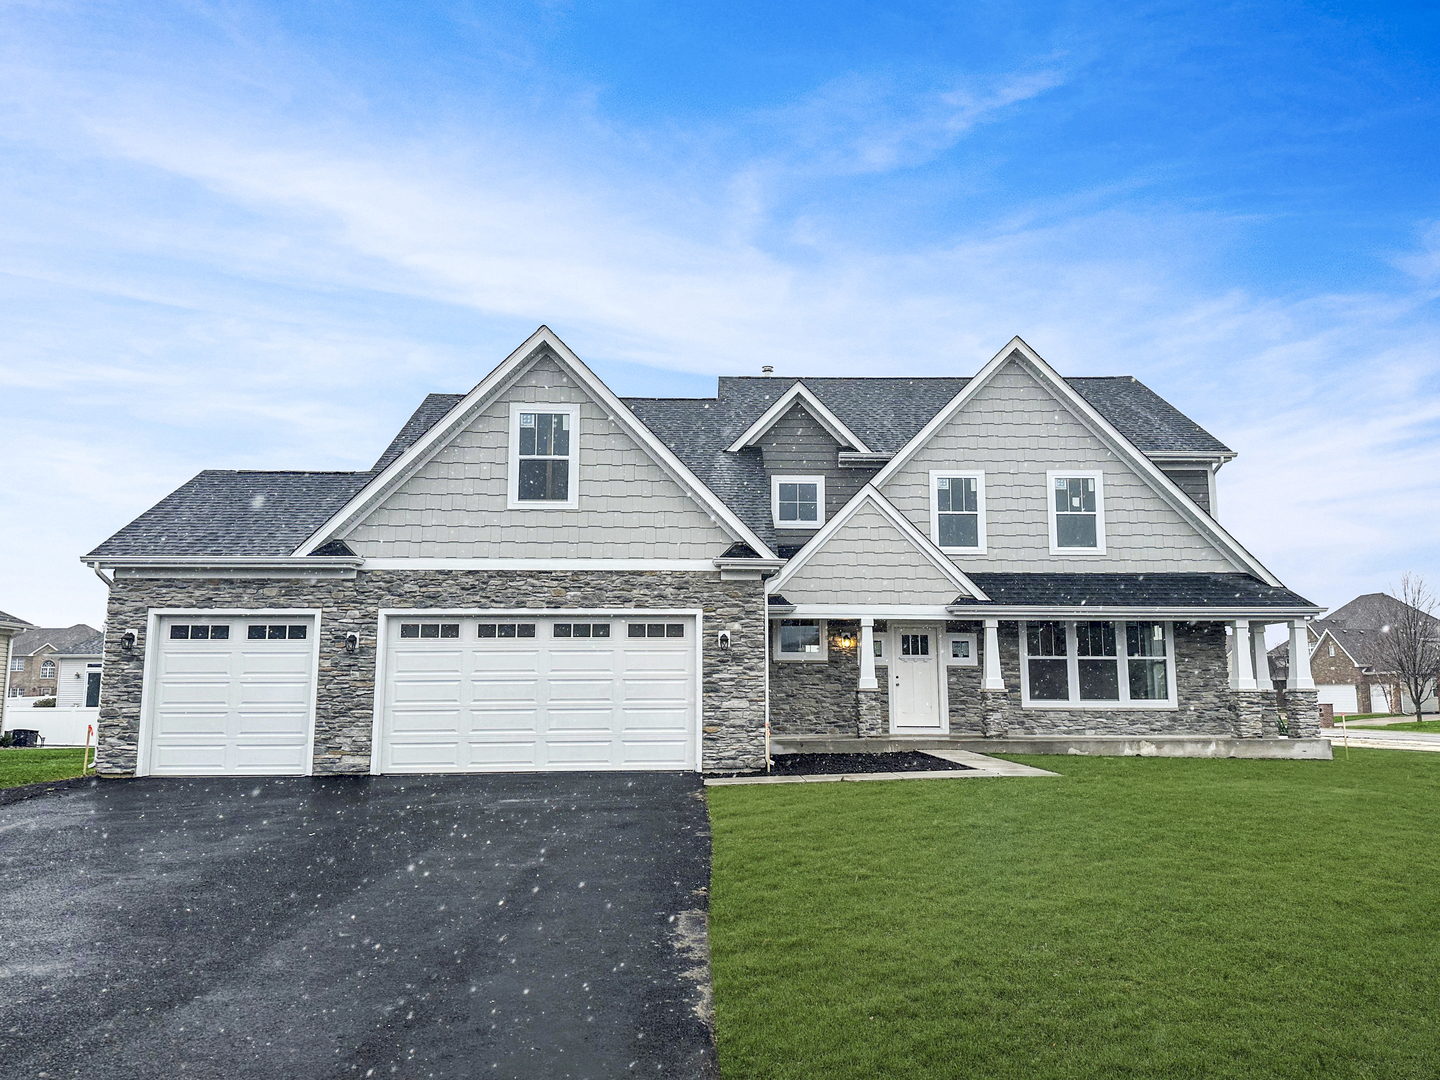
(92, 690)
(916, 695)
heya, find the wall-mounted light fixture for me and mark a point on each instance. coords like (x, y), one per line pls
(723, 640)
(846, 641)
(352, 642)
(127, 641)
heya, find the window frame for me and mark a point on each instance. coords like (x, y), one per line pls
(512, 484)
(1072, 658)
(1052, 515)
(797, 526)
(822, 657)
(49, 666)
(973, 660)
(978, 475)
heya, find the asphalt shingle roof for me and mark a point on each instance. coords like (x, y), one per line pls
(6, 618)
(1135, 590)
(225, 512)
(77, 640)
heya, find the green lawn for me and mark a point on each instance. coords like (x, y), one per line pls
(30, 766)
(1424, 725)
(1133, 918)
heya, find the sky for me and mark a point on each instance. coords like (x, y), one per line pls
(255, 235)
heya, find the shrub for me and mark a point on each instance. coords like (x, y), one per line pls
(43, 703)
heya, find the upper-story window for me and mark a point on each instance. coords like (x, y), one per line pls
(17, 663)
(542, 456)
(798, 502)
(1077, 511)
(47, 669)
(957, 511)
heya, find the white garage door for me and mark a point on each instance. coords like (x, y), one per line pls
(1340, 695)
(476, 694)
(231, 695)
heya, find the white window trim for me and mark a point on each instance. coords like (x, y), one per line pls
(978, 476)
(1073, 669)
(512, 485)
(798, 526)
(823, 656)
(953, 661)
(1076, 474)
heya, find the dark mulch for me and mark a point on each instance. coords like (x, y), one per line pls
(828, 764)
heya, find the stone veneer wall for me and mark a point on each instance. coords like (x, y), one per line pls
(732, 683)
(815, 697)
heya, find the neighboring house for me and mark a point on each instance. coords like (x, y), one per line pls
(1348, 671)
(541, 575)
(10, 626)
(63, 662)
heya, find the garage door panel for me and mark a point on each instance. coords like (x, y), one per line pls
(541, 702)
(238, 705)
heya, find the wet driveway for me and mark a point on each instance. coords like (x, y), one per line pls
(457, 926)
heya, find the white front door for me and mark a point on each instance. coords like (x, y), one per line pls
(917, 698)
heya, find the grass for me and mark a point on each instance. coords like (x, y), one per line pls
(32, 765)
(1133, 918)
(1424, 725)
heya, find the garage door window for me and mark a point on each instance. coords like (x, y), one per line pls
(430, 630)
(667, 630)
(506, 630)
(199, 632)
(581, 630)
(276, 631)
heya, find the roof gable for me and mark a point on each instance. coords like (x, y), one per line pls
(1017, 356)
(800, 394)
(870, 554)
(77, 640)
(542, 346)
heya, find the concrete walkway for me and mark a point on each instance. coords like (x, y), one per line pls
(1383, 739)
(976, 765)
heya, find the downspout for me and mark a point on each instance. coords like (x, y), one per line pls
(765, 598)
(109, 582)
(5, 683)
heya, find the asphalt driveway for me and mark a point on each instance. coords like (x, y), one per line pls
(458, 926)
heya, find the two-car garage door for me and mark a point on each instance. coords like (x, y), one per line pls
(236, 694)
(479, 694)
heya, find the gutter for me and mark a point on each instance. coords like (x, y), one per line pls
(1081, 611)
(233, 566)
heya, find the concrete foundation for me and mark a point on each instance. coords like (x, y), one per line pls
(1096, 746)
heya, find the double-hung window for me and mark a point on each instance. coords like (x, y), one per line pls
(957, 511)
(798, 502)
(1077, 511)
(1097, 664)
(542, 456)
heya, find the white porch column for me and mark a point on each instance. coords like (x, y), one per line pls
(1262, 657)
(867, 655)
(993, 679)
(1242, 657)
(1299, 658)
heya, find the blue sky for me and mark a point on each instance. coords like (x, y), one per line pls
(252, 235)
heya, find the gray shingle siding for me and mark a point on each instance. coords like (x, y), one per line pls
(1193, 482)
(798, 446)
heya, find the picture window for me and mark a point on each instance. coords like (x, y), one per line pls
(1095, 663)
(802, 639)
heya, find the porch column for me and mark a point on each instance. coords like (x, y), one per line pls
(1299, 658)
(867, 655)
(994, 680)
(1242, 657)
(1262, 657)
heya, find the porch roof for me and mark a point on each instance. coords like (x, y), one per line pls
(1198, 590)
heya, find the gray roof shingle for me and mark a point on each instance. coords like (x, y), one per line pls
(1135, 590)
(225, 512)
(77, 640)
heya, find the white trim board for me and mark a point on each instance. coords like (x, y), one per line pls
(1127, 451)
(817, 410)
(869, 494)
(673, 565)
(495, 383)
(776, 479)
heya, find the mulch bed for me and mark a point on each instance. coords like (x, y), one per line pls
(829, 764)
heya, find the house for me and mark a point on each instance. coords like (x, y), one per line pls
(10, 626)
(1349, 673)
(62, 662)
(540, 575)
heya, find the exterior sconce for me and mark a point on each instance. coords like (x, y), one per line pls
(846, 641)
(127, 641)
(352, 642)
(722, 639)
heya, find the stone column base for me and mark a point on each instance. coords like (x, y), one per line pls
(1249, 714)
(1302, 714)
(992, 714)
(872, 713)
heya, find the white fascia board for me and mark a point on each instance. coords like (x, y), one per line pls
(1095, 611)
(448, 426)
(1327, 634)
(860, 611)
(814, 406)
(676, 565)
(1211, 459)
(871, 495)
(1103, 429)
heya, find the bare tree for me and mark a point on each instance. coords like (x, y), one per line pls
(1408, 647)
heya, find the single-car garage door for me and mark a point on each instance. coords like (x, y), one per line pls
(516, 693)
(231, 694)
